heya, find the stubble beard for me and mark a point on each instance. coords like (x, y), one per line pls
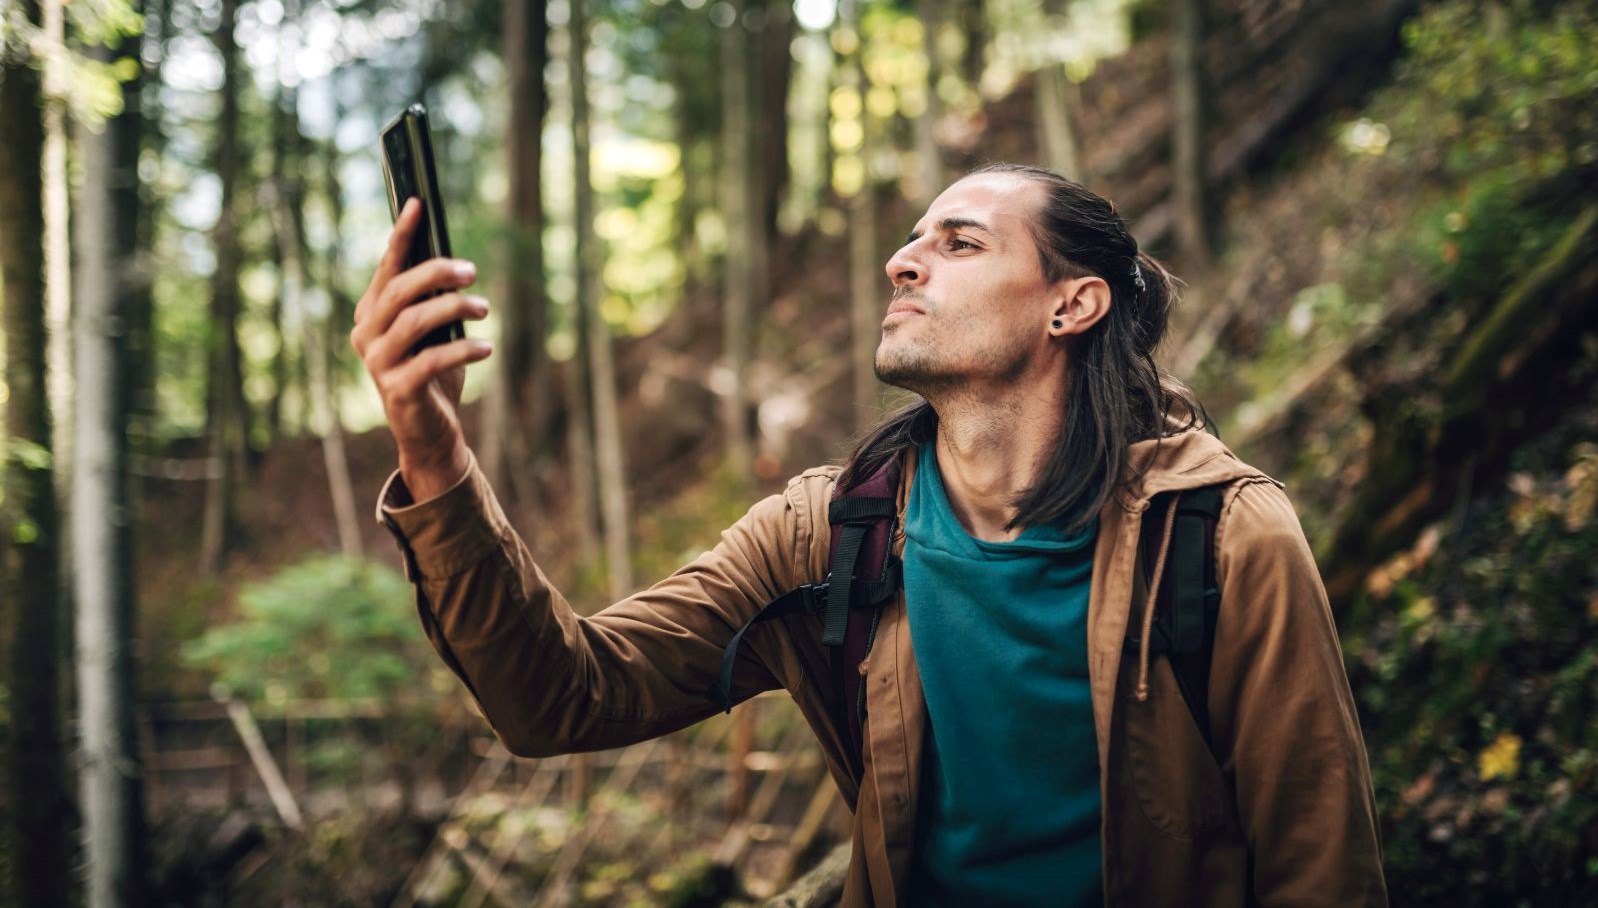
(928, 364)
(912, 364)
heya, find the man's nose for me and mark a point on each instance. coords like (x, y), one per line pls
(905, 268)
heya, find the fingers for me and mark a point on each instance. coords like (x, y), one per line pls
(415, 321)
(408, 380)
(384, 302)
(399, 241)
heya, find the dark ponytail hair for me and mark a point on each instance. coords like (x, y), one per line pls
(1117, 393)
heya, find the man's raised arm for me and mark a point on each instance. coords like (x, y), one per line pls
(548, 680)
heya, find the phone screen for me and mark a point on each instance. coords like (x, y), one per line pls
(409, 172)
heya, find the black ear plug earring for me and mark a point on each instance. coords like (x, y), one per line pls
(1058, 324)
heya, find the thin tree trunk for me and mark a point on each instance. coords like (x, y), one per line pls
(39, 808)
(772, 76)
(519, 403)
(288, 200)
(1058, 98)
(579, 402)
(1190, 189)
(930, 176)
(58, 281)
(865, 270)
(141, 94)
(110, 773)
(580, 448)
(343, 304)
(607, 421)
(973, 20)
(224, 396)
(740, 216)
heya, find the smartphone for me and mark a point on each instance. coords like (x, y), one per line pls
(409, 172)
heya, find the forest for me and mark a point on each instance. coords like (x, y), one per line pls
(215, 687)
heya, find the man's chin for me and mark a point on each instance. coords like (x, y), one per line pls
(901, 372)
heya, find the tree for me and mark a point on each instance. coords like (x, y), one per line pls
(1190, 102)
(772, 74)
(972, 16)
(39, 808)
(744, 235)
(864, 267)
(930, 177)
(1057, 98)
(519, 404)
(102, 538)
(288, 196)
(224, 410)
(612, 473)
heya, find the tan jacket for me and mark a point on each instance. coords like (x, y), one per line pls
(1282, 814)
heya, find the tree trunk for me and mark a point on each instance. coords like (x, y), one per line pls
(772, 76)
(865, 270)
(612, 475)
(973, 20)
(518, 417)
(288, 197)
(930, 176)
(224, 394)
(743, 235)
(1057, 98)
(1190, 106)
(58, 284)
(102, 545)
(144, 132)
(39, 808)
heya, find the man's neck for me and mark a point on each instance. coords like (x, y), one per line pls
(991, 448)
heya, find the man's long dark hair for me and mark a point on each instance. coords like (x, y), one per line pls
(1117, 394)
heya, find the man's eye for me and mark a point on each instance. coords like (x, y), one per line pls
(958, 243)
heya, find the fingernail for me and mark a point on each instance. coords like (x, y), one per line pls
(478, 304)
(465, 270)
(482, 346)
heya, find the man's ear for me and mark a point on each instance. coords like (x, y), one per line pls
(1079, 303)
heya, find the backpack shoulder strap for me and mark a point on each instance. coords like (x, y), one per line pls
(867, 511)
(862, 575)
(1188, 603)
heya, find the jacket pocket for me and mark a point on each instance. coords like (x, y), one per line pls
(1178, 786)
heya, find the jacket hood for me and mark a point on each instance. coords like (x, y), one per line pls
(1187, 460)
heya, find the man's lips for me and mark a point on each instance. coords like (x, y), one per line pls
(905, 306)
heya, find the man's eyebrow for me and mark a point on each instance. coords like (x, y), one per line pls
(953, 224)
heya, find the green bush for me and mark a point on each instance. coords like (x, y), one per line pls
(1475, 661)
(328, 627)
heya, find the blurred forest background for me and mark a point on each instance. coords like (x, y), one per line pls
(215, 687)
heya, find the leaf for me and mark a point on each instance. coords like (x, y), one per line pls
(1500, 759)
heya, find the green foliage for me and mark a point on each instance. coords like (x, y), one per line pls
(1505, 85)
(326, 627)
(1479, 675)
(1496, 104)
(1474, 655)
(676, 533)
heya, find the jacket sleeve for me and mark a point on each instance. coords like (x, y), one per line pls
(550, 681)
(1284, 723)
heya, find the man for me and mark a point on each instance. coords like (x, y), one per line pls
(1016, 750)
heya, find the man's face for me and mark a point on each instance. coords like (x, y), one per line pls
(970, 304)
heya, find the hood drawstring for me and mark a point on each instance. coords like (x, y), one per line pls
(1153, 597)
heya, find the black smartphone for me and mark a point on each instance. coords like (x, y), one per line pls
(409, 172)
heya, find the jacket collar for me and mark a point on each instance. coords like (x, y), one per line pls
(1187, 460)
